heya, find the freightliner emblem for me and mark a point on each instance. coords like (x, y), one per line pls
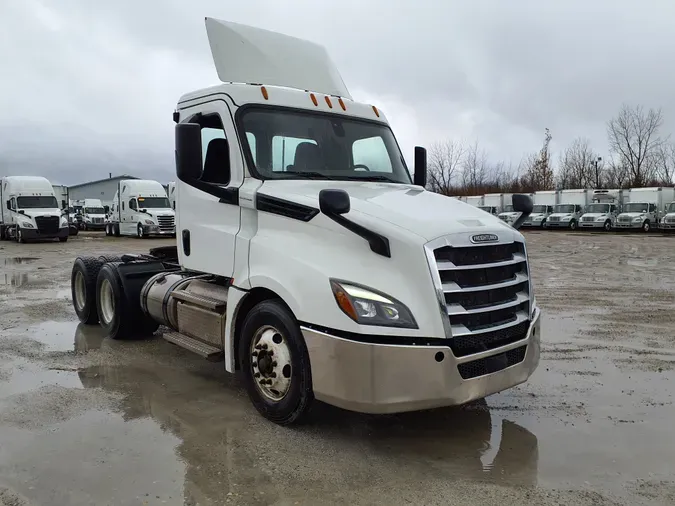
(484, 238)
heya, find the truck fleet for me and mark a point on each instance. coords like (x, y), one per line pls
(323, 270)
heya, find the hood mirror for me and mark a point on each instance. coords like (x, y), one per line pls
(521, 204)
(334, 202)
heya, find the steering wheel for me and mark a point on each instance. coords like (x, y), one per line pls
(361, 166)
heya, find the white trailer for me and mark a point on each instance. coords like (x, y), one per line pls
(493, 203)
(475, 200)
(603, 210)
(61, 194)
(30, 211)
(644, 208)
(543, 207)
(141, 208)
(567, 213)
(319, 277)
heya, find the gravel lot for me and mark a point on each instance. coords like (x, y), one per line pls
(87, 420)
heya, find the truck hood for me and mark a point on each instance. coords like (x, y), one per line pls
(537, 216)
(633, 215)
(561, 215)
(594, 215)
(32, 213)
(424, 213)
(159, 212)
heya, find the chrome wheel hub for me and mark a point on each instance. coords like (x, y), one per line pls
(271, 363)
(80, 291)
(107, 302)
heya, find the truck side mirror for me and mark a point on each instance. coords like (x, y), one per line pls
(9, 205)
(188, 151)
(521, 204)
(334, 202)
(420, 178)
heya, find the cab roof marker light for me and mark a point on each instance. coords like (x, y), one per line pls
(377, 113)
(342, 104)
(330, 104)
(314, 100)
(264, 93)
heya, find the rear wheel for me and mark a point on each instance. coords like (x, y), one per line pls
(275, 364)
(119, 312)
(83, 288)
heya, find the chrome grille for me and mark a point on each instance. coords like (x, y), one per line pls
(554, 218)
(587, 218)
(486, 290)
(47, 224)
(625, 219)
(97, 220)
(166, 223)
(670, 219)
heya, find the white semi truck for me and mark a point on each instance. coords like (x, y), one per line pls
(141, 208)
(543, 201)
(493, 203)
(668, 220)
(568, 212)
(322, 271)
(603, 210)
(644, 208)
(30, 210)
(93, 215)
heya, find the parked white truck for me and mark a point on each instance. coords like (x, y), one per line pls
(603, 210)
(93, 215)
(644, 208)
(141, 208)
(332, 275)
(668, 220)
(30, 210)
(475, 200)
(543, 201)
(493, 203)
(568, 212)
(508, 212)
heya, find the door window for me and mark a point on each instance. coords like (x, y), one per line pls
(132, 204)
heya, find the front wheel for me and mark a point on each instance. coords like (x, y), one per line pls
(646, 226)
(275, 364)
(139, 232)
(63, 239)
(19, 235)
(543, 224)
(607, 226)
(573, 225)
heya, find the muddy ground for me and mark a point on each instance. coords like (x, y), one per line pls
(85, 420)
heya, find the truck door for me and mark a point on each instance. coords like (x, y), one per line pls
(206, 224)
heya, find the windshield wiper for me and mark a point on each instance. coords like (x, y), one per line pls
(372, 178)
(306, 175)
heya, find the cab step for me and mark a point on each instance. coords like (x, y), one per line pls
(210, 353)
(200, 300)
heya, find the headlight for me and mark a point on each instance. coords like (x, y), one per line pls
(600, 218)
(638, 219)
(368, 307)
(566, 218)
(64, 222)
(26, 224)
(149, 222)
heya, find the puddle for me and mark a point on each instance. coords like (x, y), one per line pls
(19, 260)
(648, 262)
(17, 279)
(67, 336)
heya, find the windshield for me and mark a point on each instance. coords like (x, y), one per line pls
(508, 209)
(37, 202)
(538, 209)
(94, 210)
(671, 208)
(597, 208)
(635, 207)
(300, 145)
(153, 202)
(564, 208)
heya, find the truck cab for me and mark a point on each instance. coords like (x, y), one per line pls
(600, 215)
(309, 259)
(638, 216)
(141, 208)
(668, 220)
(30, 210)
(93, 215)
(539, 216)
(565, 216)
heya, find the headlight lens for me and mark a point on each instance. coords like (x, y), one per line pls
(27, 224)
(637, 219)
(149, 222)
(369, 307)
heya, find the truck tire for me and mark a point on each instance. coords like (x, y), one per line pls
(139, 232)
(83, 288)
(120, 313)
(116, 230)
(607, 226)
(543, 223)
(63, 239)
(646, 226)
(279, 384)
(18, 235)
(104, 259)
(573, 225)
(73, 230)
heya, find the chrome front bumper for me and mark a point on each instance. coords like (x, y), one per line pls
(558, 224)
(380, 378)
(592, 224)
(667, 226)
(628, 225)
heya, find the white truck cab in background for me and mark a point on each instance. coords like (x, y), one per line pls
(141, 208)
(93, 215)
(493, 203)
(508, 213)
(543, 203)
(171, 192)
(309, 260)
(30, 210)
(644, 207)
(603, 210)
(568, 212)
(668, 220)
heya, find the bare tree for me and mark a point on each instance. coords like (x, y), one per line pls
(578, 167)
(536, 168)
(475, 169)
(617, 174)
(634, 137)
(665, 164)
(445, 159)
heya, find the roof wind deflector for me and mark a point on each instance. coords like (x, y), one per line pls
(245, 54)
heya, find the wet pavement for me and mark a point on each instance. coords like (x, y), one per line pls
(88, 420)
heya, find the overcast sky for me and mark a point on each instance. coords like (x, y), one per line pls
(88, 87)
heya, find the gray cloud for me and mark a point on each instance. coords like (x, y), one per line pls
(88, 88)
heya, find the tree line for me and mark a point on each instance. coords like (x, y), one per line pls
(639, 156)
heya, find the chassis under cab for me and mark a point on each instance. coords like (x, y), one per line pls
(309, 260)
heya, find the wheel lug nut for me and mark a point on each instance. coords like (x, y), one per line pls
(270, 353)
(255, 364)
(273, 375)
(255, 354)
(258, 347)
(256, 375)
(264, 346)
(274, 364)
